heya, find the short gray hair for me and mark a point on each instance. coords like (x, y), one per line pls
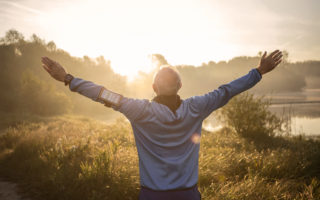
(167, 80)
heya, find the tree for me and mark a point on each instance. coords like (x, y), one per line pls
(285, 58)
(51, 46)
(36, 39)
(158, 60)
(12, 37)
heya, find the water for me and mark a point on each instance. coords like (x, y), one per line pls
(305, 117)
(300, 124)
(304, 125)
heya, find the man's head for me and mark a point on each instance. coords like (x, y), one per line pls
(166, 81)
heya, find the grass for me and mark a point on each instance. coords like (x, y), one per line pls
(69, 157)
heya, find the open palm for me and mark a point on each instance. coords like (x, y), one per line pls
(268, 63)
(53, 68)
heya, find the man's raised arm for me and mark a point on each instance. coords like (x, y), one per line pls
(86, 88)
(131, 108)
(211, 101)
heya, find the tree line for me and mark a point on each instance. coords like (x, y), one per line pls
(27, 88)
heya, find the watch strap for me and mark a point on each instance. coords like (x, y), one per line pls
(67, 79)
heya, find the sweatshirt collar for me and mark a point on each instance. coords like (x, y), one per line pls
(171, 101)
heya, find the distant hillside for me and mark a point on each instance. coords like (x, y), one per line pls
(27, 88)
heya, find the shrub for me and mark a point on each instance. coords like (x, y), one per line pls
(250, 118)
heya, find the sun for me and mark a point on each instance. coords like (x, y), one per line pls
(130, 64)
(128, 38)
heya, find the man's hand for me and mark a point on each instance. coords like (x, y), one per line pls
(53, 68)
(268, 63)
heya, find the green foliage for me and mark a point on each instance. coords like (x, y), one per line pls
(22, 75)
(79, 158)
(18, 54)
(250, 117)
(39, 97)
(12, 37)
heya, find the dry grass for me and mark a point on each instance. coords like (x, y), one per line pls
(70, 157)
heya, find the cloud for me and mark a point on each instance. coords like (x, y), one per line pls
(20, 6)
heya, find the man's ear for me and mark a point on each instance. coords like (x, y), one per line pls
(180, 85)
(154, 88)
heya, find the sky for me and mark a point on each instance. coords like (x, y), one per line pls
(191, 32)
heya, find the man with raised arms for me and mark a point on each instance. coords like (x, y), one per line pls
(165, 127)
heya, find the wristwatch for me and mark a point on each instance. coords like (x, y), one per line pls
(67, 79)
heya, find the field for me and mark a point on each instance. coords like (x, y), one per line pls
(72, 157)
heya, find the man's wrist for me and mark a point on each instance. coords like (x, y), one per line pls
(260, 71)
(67, 79)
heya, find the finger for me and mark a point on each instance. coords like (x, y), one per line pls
(277, 54)
(46, 68)
(278, 62)
(46, 62)
(264, 55)
(274, 61)
(273, 53)
(57, 64)
(277, 58)
(43, 60)
(49, 61)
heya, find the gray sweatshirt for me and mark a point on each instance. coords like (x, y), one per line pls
(168, 143)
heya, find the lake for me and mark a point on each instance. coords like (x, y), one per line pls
(305, 117)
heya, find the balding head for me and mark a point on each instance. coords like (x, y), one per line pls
(166, 81)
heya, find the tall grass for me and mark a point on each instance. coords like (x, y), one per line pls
(76, 158)
(69, 158)
(231, 167)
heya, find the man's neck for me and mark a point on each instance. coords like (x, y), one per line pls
(171, 101)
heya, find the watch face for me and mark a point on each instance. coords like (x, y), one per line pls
(69, 77)
(110, 97)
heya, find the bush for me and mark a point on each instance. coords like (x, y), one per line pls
(250, 118)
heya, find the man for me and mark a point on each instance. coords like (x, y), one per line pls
(167, 129)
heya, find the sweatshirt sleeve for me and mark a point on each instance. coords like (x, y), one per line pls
(86, 88)
(215, 99)
(131, 108)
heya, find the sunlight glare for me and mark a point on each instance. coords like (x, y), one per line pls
(195, 138)
(128, 38)
(130, 64)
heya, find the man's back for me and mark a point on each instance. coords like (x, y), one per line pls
(168, 142)
(168, 152)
